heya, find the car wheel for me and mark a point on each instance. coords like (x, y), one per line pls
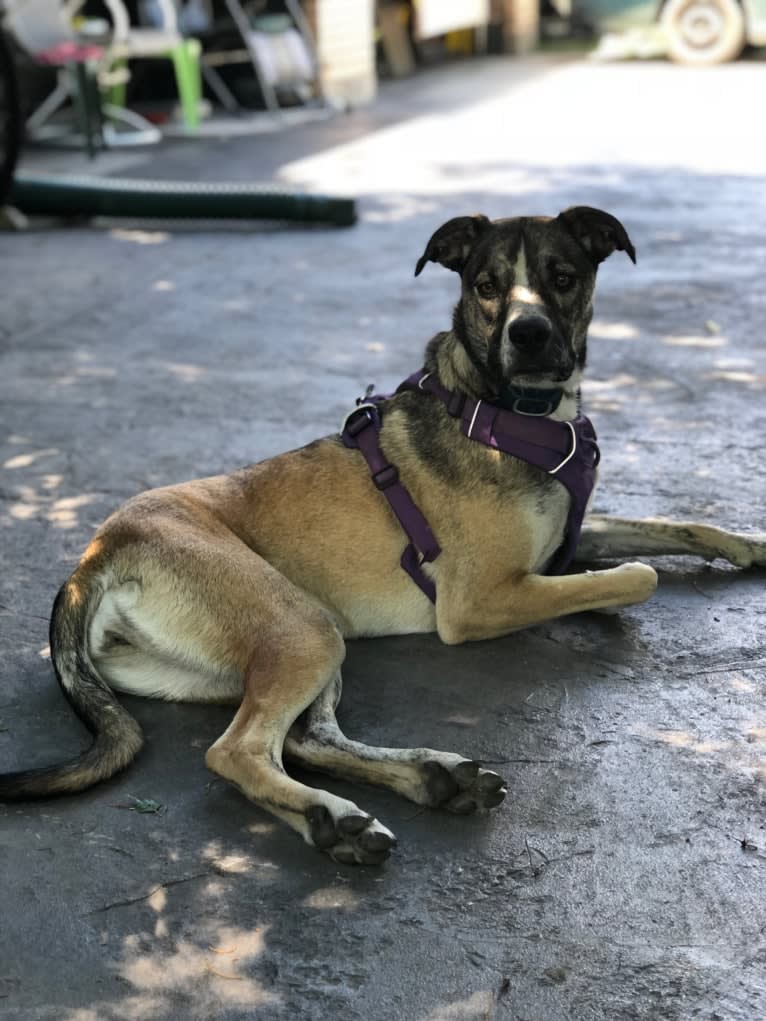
(703, 31)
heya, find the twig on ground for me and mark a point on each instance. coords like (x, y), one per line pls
(137, 900)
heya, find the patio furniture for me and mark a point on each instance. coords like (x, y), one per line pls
(164, 39)
(44, 30)
(279, 46)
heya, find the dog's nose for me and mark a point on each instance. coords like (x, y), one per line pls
(528, 332)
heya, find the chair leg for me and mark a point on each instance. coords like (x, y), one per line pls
(117, 94)
(220, 89)
(87, 109)
(186, 62)
(57, 98)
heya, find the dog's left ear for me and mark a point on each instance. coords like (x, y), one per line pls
(451, 244)
(598, 232)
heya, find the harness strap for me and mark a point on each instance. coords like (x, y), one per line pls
(568, 450)
(565, 450)
(362, 430)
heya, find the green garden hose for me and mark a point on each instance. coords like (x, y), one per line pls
(115, 197)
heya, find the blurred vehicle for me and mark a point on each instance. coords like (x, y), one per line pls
(696, 31)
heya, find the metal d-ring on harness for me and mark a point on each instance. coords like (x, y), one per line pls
(565, 450)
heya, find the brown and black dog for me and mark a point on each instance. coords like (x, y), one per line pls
(241, 588)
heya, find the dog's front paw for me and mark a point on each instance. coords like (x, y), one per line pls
(354, 839)
(464, 788)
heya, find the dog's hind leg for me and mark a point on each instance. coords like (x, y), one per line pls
(283, 678)
(605, 537)
(423, 775)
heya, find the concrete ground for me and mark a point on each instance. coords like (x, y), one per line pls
(625, 877)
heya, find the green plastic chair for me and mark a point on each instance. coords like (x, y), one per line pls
(163, 40)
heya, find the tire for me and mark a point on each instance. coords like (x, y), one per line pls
(703, 32)
(10, 118)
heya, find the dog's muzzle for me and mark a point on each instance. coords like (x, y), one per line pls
(530, 333)
(533, 348)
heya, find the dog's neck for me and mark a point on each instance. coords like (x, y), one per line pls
(446, 356)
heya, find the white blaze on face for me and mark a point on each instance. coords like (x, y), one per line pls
(521, 292)
(523, 302)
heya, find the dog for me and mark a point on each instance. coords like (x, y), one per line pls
(241, 588)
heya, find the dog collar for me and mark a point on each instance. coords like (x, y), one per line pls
(529, 400)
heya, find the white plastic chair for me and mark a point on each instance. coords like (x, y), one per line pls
(44, 30)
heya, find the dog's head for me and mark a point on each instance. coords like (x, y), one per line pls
(527, 289)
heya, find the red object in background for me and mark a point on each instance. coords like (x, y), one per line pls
(67, 52)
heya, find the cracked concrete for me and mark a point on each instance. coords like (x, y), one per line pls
(625, 877)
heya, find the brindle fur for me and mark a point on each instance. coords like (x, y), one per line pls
(241, 588)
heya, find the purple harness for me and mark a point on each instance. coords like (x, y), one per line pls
(566, 450)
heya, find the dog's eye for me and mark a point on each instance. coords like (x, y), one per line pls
(563, 281)
(486, 289)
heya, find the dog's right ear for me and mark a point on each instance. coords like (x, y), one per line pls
(452, 243)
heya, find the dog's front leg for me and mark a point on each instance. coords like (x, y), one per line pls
(472, 607)
(423, 775)
(605, 537)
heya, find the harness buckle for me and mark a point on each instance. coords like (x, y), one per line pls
(356, 421)
(386, 477)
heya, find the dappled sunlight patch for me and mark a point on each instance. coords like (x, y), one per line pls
(25, 460)
(23, 511)
(695, 340)
(220, 967)
(477, 1007)
(603, 330)
(742, 684)
(462, 720)
(604, 404)
(131, 1008)
(227, 864)
(62, 513)
(663, 424)
(331, 897)
(261, 829)
(185, 372)
(745, 752)
(618, 382)
(394, 209)
(96, 372)
(737, 376)
(140, 237)
(233, 864)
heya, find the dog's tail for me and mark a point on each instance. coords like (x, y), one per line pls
(117, 736)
